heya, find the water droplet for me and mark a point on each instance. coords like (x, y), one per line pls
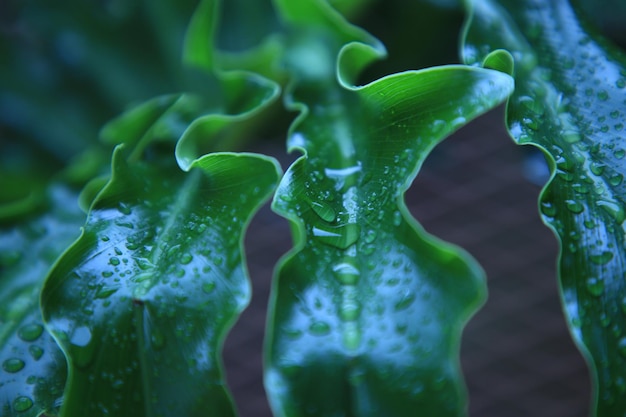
(370, 236)
(115, 261)
(157, 338)
(602, 258)
(319, 328)
(185, 258)
(30, 332)
(397, 218)
(350, 310)
(208, 287)
(580, 188)
(597, 168)
(346, 273)
(548, 209)
(571, 136)
(351, 336)
(619, 153)
(117, 384)
(341, 236)
(595, 286)
(406, 299)
(22, 403)
(603, 95)
(35, 351)
(325, 211)
(13, 365)
(614, 209)
(106, 291)
(621, 346)
(81, 336)
(616, 179)
(107, 274)
(574, 206)
(124, 209)
(531, 104)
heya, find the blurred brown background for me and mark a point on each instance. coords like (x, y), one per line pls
(474, 190)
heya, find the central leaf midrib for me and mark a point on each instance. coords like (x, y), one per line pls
(184, 199)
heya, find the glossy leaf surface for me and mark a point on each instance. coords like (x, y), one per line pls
(366, 312)
(33, 368)
(142, 301)
(569, 100)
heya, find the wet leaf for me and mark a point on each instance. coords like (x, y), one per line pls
(569, 101)
(367, 310)
(142, 301)
(32, 367)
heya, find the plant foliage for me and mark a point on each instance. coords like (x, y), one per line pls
(367, 309)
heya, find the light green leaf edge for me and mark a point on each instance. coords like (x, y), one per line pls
(344, 335)
(33, 368)
(569, 102)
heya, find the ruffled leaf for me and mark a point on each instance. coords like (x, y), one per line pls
(367, 310)
(142, 301)
(569, 101)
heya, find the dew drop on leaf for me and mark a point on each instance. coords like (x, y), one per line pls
(319, 328)
(597, 168)
(346, 273)
(185, 258)
(350, 310)
(574, 206)
(340, 237)
(370, 236)
(397, 218)
(621, 346)
(81, 336)
(35, 351)
(406, 299)
(30, 332)
(351, 337)
(595, 286)
(614, 209)
(616, 179)
(106, 291)
(548, 209)
(324, 211)
(157, 338)
(13, 365)
(602, 258)
(208, 287)
(22, 403)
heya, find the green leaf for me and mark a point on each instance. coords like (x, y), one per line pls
(212, 107)
(141, 303)
(367, 310)
(66, 68)
(569, 101)
(33, 369)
